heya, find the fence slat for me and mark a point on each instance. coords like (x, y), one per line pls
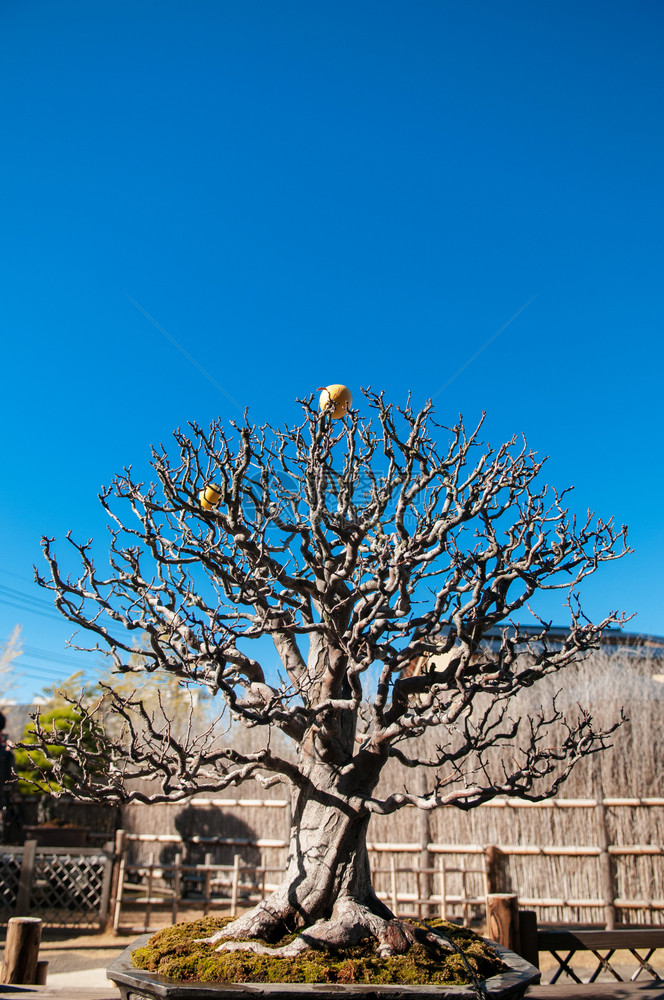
(207, 884)
(25, 880)
(235, 884)
(107, 881)
(393, 885)
(177, 874)
(606, 873)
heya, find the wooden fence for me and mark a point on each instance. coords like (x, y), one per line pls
(414, 877)
(65, 887)
(176, 887)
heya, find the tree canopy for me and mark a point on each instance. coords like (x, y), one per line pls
(374, 554)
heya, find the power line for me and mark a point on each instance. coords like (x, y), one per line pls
(24, 602)
(30, 611)
(45, 654)
(19, 576)
(37, 601)
(19, 667)
(36, 672)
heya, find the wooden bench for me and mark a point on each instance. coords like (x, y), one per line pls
(639, 942)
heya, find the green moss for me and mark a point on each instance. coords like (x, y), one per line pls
(175, 953)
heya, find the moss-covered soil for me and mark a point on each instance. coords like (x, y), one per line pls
(175, 953)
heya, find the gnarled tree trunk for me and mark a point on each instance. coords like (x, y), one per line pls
(327, 890)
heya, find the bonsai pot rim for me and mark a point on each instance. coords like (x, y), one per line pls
(136, 984)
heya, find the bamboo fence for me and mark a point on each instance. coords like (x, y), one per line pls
(594, 854)
(599, 882)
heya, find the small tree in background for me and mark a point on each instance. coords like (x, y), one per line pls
(50, 769)
(356, 549)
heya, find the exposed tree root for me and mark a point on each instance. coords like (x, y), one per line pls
(351, 923)
(264, 921)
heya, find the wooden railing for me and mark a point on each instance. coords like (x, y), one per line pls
(177, 886)
(455, 877)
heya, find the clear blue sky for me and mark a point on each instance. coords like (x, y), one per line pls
(303, 193)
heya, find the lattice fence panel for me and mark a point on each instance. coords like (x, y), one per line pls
(67, 888)
(10, 873)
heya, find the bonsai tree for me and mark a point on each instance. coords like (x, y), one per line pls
(373, 555)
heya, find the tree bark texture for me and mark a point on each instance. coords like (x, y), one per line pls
(328, 876)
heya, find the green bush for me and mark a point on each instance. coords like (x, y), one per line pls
(56, 770)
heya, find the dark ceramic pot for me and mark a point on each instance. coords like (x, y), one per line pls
(134, 984)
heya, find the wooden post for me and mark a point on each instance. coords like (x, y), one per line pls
(606, 872)
(424, 875)
(235, 884)
(465, 908)
(502, 920)
(42, 974)
(207, 884)
(528, 937)
(494, 865)
(120, 888)
(176, 887)
(117, 877)
(106, 887)
(443, 889)
(21, 951)
(25, 878)
(393, 884)
(148, 905)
